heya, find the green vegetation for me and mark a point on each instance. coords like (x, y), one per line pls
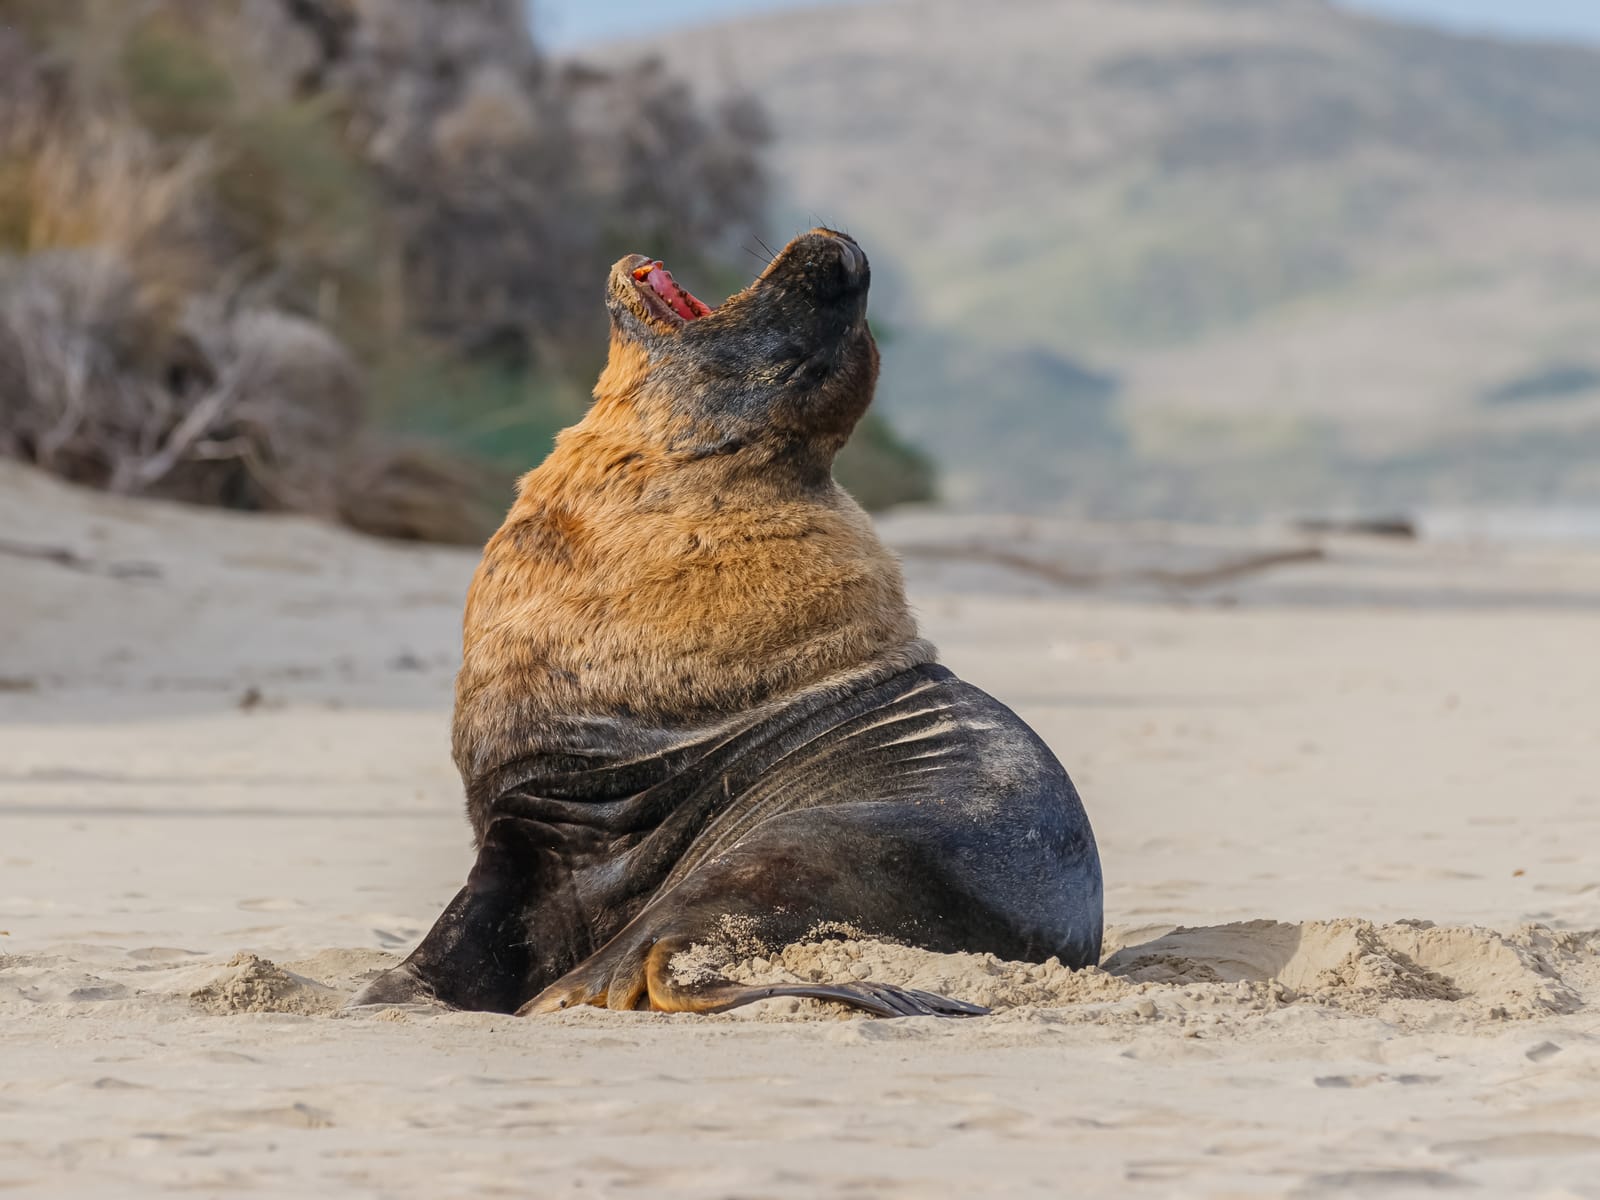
(251, 257)
(880, 469)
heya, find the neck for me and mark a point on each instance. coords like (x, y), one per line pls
(627, 580)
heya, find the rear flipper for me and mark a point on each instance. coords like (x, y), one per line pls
(879, 999)
(661, 992)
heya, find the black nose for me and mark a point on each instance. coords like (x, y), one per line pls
(851, 259)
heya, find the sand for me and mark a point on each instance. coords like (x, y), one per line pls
(1349, 808)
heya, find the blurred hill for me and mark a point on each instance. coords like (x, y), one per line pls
(1202, 256)
(340, 256)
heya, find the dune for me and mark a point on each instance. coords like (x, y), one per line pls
(1344, 789)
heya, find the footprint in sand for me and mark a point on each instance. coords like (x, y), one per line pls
(270, 904)
(229, 1057)
(1534, 1144)
(1369, 1182)
(390, 939)
(290, 1116)
(162, 954)
(95, 992)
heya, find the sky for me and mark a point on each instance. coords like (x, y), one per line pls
(567, 24)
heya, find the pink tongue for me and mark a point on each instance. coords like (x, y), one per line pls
(661, 280)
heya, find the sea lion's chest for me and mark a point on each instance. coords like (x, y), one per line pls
(660, 617)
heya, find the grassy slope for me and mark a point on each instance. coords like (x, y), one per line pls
(1292, 234)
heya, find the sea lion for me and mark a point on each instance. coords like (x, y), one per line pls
(692, 697)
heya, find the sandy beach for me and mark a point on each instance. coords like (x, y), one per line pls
(1346, 789)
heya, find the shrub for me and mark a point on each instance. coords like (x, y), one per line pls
(333, 258)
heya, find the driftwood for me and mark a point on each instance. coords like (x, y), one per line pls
(1064, 576)
(1400, 527)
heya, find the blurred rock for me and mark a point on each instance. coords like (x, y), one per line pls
(215, 218)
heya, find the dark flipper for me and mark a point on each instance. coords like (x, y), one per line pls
(512, 929)
(651, 985)
(401, 985)
(879, 999)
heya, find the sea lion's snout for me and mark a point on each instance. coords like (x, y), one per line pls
(823, 270)
(788, 362)
(852, 260)
(823, 267)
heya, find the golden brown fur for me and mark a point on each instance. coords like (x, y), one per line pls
(639, 574)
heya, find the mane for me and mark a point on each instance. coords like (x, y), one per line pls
(631, 579)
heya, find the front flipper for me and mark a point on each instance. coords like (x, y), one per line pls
(512, 929)
(397, 986)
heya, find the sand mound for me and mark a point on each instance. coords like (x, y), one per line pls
(72, 979)
(1404, 971)
(254, 985)
(1359, 966)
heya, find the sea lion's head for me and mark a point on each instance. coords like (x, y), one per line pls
(780, 371)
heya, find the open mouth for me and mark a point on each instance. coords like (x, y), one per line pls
(656, 284)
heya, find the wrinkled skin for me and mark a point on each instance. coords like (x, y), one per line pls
(736, 796)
